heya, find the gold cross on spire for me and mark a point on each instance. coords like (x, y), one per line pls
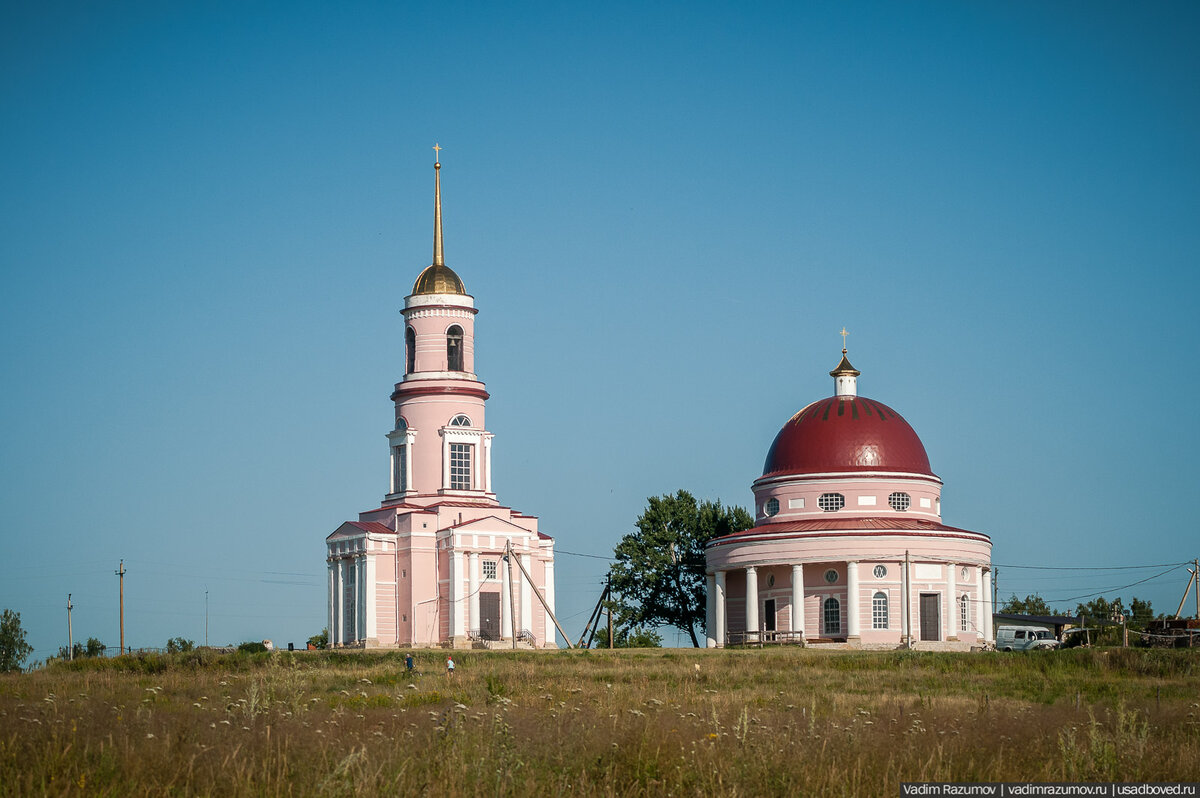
(844, 334)
(436, 152)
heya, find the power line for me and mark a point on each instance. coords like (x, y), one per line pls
(1090, 567)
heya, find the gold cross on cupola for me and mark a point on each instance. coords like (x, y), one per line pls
(437, 151)
(844, 334)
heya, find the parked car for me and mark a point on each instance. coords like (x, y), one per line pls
(1024, 638)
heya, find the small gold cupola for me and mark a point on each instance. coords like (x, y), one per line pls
(845, 376)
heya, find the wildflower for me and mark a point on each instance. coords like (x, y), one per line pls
(149, 736)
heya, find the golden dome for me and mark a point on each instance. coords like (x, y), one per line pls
(438, 279)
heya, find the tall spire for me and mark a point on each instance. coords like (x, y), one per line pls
(438, 258)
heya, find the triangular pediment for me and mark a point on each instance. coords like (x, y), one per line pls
(491, 525)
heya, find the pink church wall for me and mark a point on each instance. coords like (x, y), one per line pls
(790, 488)
(431, 330)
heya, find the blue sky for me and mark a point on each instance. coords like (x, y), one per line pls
(210, 215)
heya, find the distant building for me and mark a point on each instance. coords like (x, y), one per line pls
(427, 566)
(849, 546)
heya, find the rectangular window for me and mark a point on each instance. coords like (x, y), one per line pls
(489, 569)
(460, 466)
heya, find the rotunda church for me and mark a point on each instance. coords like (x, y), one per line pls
(849, 548)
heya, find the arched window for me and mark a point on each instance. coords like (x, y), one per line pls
(460, 421)
(879, 611)
(454, 349)
(410, 351)
(965, 611)
(833, 616)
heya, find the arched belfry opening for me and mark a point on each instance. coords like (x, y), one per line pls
(454, 349)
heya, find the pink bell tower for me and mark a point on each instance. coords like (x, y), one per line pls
(440, 562)
(440, 395)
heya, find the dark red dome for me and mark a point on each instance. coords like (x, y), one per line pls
(841, 434)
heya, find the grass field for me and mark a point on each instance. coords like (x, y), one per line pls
(628, 723)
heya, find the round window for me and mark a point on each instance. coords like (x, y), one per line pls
(880, 571)
(770, 580)
(772, 507)
(831, 576)
(899, 501)
(966, 575)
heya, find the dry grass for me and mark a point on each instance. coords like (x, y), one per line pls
(596, 723)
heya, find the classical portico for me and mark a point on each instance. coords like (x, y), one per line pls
(849, 546)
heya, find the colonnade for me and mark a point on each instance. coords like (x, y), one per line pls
(351, 614)
(979, 617)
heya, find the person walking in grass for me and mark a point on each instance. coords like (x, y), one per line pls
(449, 665)
(408, 663)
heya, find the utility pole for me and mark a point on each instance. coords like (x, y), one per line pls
(206, 616)
(121, 573)
(1196, 566)
(512, 589)
(70, 632)
(995, 587)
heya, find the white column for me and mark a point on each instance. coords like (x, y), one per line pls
(526, 597)
(478, 467)
(473, 587)
(979, 606)
(457, 605)
(852, 600)
(710, 612)
(548, 594)
(360, 597)
(752, 602)
(372, 631)
(332, 568)
(987, 604)
(798, 599)
(952, 604)
(719, 609)
(343, 568)
(505, 589)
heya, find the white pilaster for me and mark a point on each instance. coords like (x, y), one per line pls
(852, 600)
(751, 602)
(710, 612)
(445, 461)
(505, 603)
(473, 588)
(372, 631)
(719, 609)
(798, 599)
(526, 596)
(987, 605)
(952, 604)
(457, 608)
(487, 467)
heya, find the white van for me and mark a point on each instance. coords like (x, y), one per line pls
(1024, 638)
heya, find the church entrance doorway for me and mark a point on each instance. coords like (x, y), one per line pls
(489, 616)
(769, 615)
(931, 620)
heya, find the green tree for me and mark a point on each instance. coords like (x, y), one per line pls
(178, 645)
(13, 647)
(94, 648)
(1030, 605)
(658, 577)
(320, 640)
(1140, 613)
